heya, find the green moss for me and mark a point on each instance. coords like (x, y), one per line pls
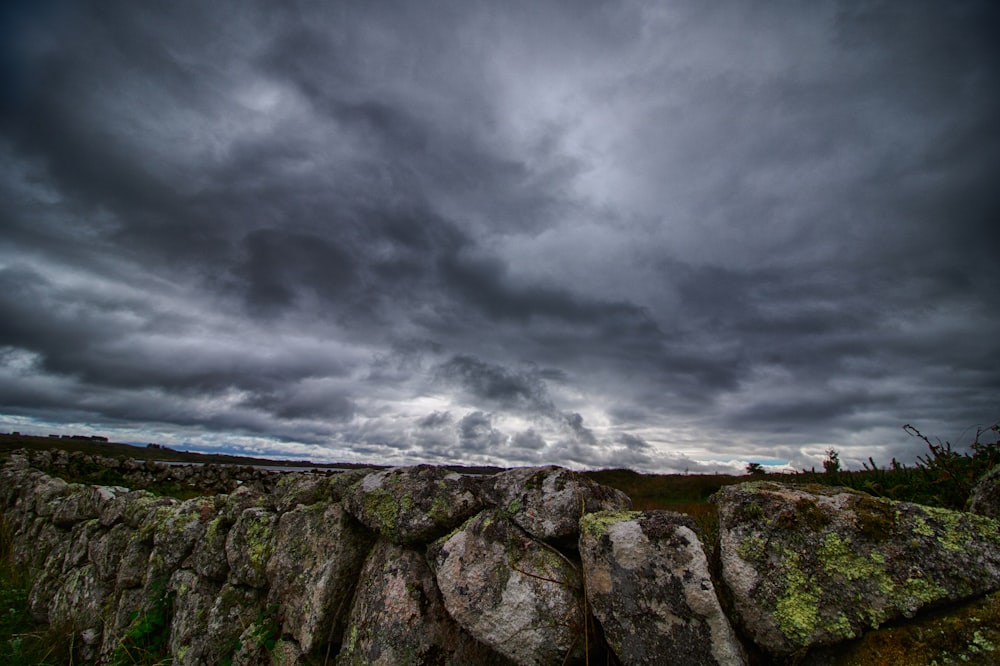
(439, 509)
(596, 524)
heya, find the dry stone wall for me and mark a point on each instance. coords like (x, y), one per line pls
(419, 565)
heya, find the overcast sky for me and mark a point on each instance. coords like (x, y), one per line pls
(660, 235)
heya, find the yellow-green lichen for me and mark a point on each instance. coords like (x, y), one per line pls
(797, 610)
(751, 548)
(259, 543)
(596, 524)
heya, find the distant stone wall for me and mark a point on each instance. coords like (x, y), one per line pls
(530, 566)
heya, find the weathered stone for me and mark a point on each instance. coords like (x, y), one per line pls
(816, 566)
(235, 608)
(109, 510)
(175, 536)
(194, 598)
(79, 543)
(649, 584)
(549, 501)
(398, 617)
(318, 552)
(134, 560)
(985, 498)
(79, 601)
(47, 492)
(410, 505)
(308, 488)
(105, 551)
(208, 556)
(249, 545)
(515, 595)
(78, 504)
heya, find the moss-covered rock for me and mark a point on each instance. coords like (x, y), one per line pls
(549, 501)
(817, 567)
(249, 546)
(648, 582)
(318, 552)
(409, 505)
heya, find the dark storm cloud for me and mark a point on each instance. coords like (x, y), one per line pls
(608, 234)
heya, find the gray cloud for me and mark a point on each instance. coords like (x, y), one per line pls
(608, 234)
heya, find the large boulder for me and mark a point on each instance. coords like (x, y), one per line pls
(318, 552)
(516, 595)
(409, 505)
(398, 617)
(985, 498)
(549, 501)
(649, 584)
(816, 565)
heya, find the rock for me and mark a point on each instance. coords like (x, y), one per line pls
(648, 582)
(79, 543)
(318, 552)
(105, 551)
(78, 504)
(249, 545)
(511, 593)
(816, 565)
(308, 488)
(398, 617)
(410, 505)
(176, 535)
(80, 600)
(549, 501)
(135, 559)
(47, 492)
(194, 598)
(985, 498)
(208, 555)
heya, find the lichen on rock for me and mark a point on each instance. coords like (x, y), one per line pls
(815, 567)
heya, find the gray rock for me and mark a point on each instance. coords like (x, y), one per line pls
(194, 598)
(78, 504)
(176, 533)
(135, 559)
(79, 600)
(318, 552)
(47, 492)
(549, 501)
(208, 555)
(985, 498)
(511, 593)
(105, 551)
(814, 566)
(410, 505)
(79, 543)
(249, 546)
(308, 488)
(649, 584)
(398, 617)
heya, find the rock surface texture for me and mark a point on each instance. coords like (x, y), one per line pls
(815, 566)
(649, 584)
(420, 565)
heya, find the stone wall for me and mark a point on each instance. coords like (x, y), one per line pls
(530, 566)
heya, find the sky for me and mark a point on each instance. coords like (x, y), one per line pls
(669, 236)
